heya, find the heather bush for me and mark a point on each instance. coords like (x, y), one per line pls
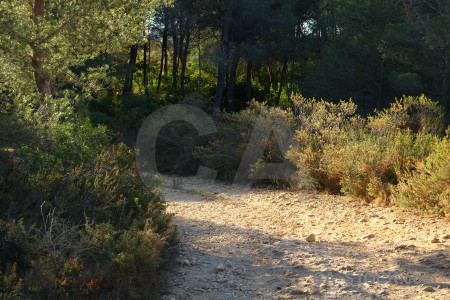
(427, 186)
(367, 168)
(76, 220)
(321, 124)
(234, 141)
(419, 114)
(345, 153)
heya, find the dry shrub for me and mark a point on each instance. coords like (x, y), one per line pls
(427, 188)
(365, 158)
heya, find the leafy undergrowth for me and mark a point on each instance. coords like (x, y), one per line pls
(76, 221)
(395, 156)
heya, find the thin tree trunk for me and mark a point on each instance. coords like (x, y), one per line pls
(145, 68)
(181, 47)
(184, 61)
(41, 76)
(282, 79)
(128, 84)
(185, 54)
(222, 69)
(269, 70)
(444, 89)
(163, 64)
(199, 79)
(249, 80)
(175, 62)
(166, 59)
(232, 82)
(380, 90)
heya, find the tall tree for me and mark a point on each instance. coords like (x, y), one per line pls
(128, 84)
(46, 40)
(224, 49)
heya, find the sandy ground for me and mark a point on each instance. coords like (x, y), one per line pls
(237, 243)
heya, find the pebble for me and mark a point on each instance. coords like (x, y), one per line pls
(347, 268)
(311, 238)
(368, 236)
(429, 289)
(363, 220)
(220, 268)
(435, 241)
(445, 237)
(186, 262)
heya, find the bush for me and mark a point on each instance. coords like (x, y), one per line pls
(227, 148)
(427, 187)
(321, 124)
(419, 114)
(367, 168)
(75, 218)
(342, 152)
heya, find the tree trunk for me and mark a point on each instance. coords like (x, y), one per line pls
(380, 90)
(269, 70)
(180, 48)
(249, 80)
(163, 57)
(184, 61)
(175, 62)
(232, 82)
(145, 68)
(185, 54)
(41, 76)
(444, 89)
(282, 79)
(199, 79)
(223, 61)
(128, 84)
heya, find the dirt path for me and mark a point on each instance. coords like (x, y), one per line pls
(251, 244)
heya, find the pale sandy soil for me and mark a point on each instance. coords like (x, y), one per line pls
(237, 243)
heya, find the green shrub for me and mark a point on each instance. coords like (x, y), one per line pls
(367, 168)
(321, 124)
(75, 217)
(100, 213)
(342, 152)
(427, 188)
(226, 149)
(419, 114)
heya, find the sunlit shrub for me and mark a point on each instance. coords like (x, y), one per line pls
(427, 187)
(368, 167)
(321, 124)
(419, 114)
(342, 152)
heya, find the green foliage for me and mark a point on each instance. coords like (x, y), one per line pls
(10, 283)
(419, 114)
(74, 210)
(225, 151)
(320, 124)
(343, 152)
(427, 187)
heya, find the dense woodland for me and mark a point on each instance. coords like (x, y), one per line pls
(78, 77)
